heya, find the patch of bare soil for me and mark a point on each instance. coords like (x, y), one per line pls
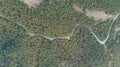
(98, 15)
(78, 9)
(117, 29)
(32, 3)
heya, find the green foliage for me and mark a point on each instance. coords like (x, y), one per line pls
(55, 18)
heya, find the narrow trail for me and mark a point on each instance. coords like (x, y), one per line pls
(102, 42)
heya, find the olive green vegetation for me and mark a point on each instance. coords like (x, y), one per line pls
(56, 18)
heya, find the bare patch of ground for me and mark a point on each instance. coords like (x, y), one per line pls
(32, 3)
(78, 9)
(64, 64)
(98, 15)
(117, 29)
